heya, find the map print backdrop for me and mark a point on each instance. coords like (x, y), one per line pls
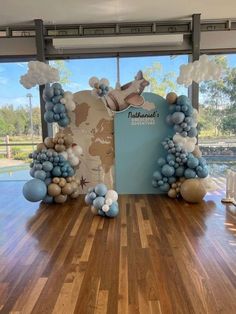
(138, 136)
(92, 128)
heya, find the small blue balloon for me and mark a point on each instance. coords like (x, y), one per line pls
(101, 213)
(40, 174)
(100, 189)
(56, 171)
(48, 181)
(179, 172)
(56, 86)
(48, 92)
(157, 175)
(165, 187)
(34, 190)
(178, 117)
(169, 119)
(99, 202)
(32, 171)
(160, 182)
(183, 100)
(56, 117)
(49, 116)
(88, 200)
(56, 99)
(170, 157)
(64, 122)
(192, 162)
(49, 106)
(202, 173)
(161, 161)
(92, 195)
(48, 199)
(171, 180)
(113, 210)
(47, 166)
(189, 173)
(57, 92)
(167, 170)
(177, 128)
(59, 108)
(154, 183)
(192, 132)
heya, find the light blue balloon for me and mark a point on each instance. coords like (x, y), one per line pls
(57, 91)
(38, 167)
(88, 200)
(100, 189)
(161, 161)
(178, 117)
(34, 190)
(56, 86)
(40, 174)
(56, 117)
(189, 173)
(47, 166)
(202, 161)
(56, 99)
(157, 175)
(171, 180)
(32, 171)
(59, 108)
(99, 202)
(167, 170)
(165, 187)
(64, 122)
(48, 181)
(160, 182)
(49, 116)
(48, 92)
(92, 195)
(101, 213)
(71, 172)
(192, 162)
(177, 128)
(113, 210)
(170, 157)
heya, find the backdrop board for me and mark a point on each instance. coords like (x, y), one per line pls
(138, 136)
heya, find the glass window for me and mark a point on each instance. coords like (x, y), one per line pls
(217, 107)
(20, 122)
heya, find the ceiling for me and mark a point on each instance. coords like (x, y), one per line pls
(92, 11)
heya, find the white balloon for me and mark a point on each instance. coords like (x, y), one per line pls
(93, 80)
(77, 150)
(105, 208)
(104, 81)
(108, 201)
(64, 154)
(112, 195)
(74, 161)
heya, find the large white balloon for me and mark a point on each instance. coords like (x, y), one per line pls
(113, 195)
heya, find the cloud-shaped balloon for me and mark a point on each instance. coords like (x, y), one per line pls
(203, 69)
(39, 73)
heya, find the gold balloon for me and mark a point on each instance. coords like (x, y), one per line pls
(192, 190)
(56, 180)
(60, 141)
(48, 141)
(60, 198)
(62, 182)
(69, 179)
(172, 193)
(68, 140)
(74, 185)
(60, 148)
(171, 98)
(75, 194)
(54, 189)
(40, 146)
(197, 152)
(67, 189)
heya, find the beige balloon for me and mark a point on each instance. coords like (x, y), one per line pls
(172, 193)
(171, 98)
(192, 190)
(68, 140)
(48, 141)
(67, 189)
(196, 152)
(40, 146)
(54, 189)
(75, 194)
(56, 180)
(62, 182)
(60, 198)
(60, 148)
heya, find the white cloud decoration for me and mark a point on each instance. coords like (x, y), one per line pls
(39, 73)
(203, 69)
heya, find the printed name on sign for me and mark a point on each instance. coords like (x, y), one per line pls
(139, 118)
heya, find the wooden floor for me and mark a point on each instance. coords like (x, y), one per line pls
(158, 256)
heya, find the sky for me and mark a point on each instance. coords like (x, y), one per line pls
(12, 92)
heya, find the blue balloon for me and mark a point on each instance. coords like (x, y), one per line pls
(47, 166)
(71, 172)
(40, 174)
(49, 106)
(192, 162)
(34, 190)
(165, 187)
(48, 181)
(178, 117)
(157, 175)
(38, 167)
(56, 86)
(57, 91)
(170, 157)
(92, 195)
(167, 170)
(49, 116)
(56, 117)
(56, 171)
(64, 122)
(100, 189)
(101, 213)
(113, 210)
(177, 108)
(179, 172)
(171, 180)
(202, 161)
(202, 173)
(189, 111)
(189, 173)
(192, 132)
(59, 108)
(56, 99)
(183, 100)
(99, 202)
(88, 200)
(48, 199)
(161, 161)
(154, 183)
(160, 182)
(48, 92)
(32, 171)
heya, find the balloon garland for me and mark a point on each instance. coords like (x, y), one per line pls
(180, 171)
(53, 162)
(103, 202)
